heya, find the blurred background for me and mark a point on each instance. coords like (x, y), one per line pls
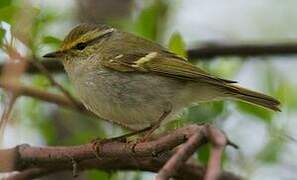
(267, 140)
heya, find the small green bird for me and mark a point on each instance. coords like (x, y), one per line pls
(137, 83)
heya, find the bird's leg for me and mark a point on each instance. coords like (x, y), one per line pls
(157, 124)
(148, 132)
(152, 128)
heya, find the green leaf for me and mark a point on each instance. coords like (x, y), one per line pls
(51, 40)
(2, 35)
(149, 20)
(4, 3)
(177, 45)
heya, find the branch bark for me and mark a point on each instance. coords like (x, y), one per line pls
(113, 155)
(242, 50)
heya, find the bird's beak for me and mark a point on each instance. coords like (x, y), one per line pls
(56, 54)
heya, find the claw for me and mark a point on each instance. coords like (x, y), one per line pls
(96, 143)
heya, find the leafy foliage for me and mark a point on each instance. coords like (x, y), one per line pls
(51, 41)
(5, 3)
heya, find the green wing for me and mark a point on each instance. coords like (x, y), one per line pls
(163, 63)
(150, 57)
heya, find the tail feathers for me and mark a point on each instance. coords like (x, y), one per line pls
(254, 97)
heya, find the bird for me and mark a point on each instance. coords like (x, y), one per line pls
(137, 83)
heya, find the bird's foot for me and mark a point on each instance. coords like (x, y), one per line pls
(98, 142)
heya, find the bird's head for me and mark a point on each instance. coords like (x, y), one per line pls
(82, 41)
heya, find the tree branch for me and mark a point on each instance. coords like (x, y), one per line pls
(242, 50)
(113, 155)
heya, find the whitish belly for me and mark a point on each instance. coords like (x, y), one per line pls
(133, 100)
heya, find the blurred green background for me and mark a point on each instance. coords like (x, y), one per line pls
(268, 149)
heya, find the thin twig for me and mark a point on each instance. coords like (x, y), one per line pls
(42, 69)
(10, 101)
(12, 72)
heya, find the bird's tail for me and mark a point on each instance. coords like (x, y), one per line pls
(253, 97)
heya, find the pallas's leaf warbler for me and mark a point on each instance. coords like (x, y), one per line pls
(137, 83)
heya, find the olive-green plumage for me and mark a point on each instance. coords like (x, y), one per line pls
(132, 81)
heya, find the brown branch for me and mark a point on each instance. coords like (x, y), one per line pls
(180, 157)
(204, 52)
(41, 95)
(113, 155)
(242, 50)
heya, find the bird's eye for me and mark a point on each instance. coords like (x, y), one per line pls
(81, 46)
